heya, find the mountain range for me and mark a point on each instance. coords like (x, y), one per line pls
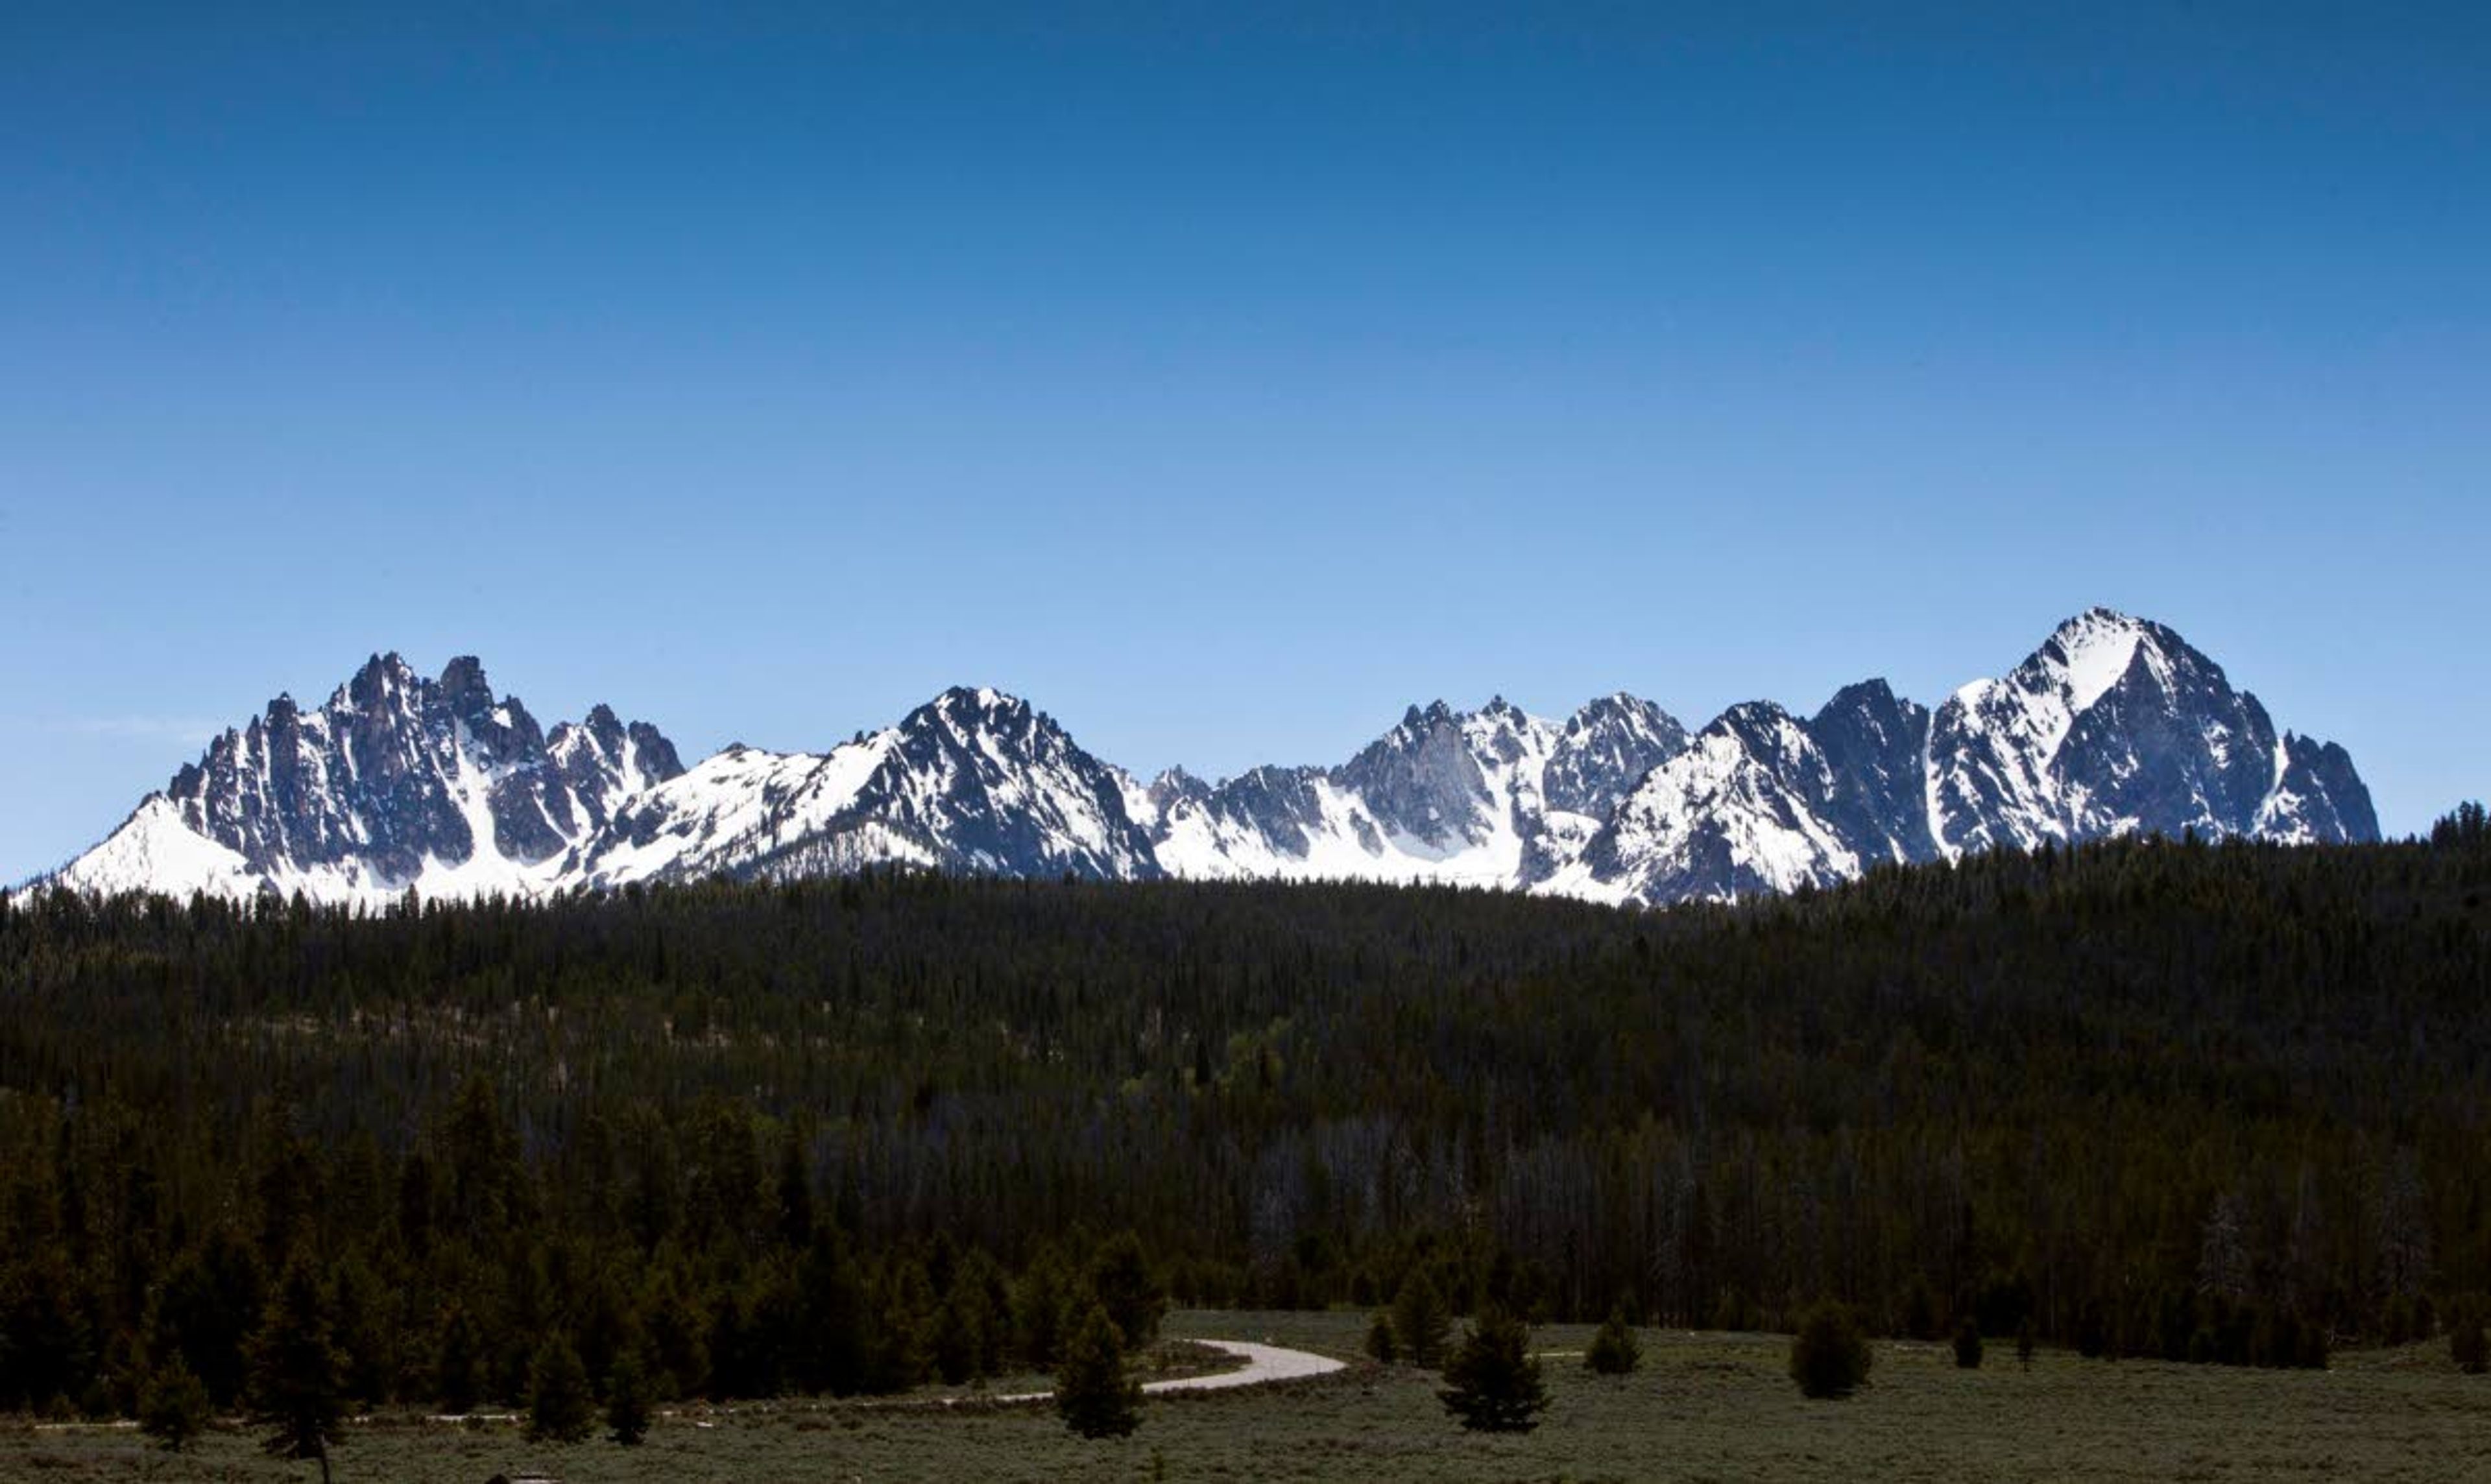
(2115, 725)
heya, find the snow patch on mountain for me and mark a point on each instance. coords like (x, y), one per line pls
(156, 850)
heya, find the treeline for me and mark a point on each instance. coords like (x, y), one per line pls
(442, 1274)
(439, 1275)
(2153, 1098)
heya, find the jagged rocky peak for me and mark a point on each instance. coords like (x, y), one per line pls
(1868, 727)
(634, 749)
(1763, 727)
(463, 687)
(1741, 809)
(401, 780)
(1501, 733)
(2115, 725)
(500, 728)
(2319, 797)
(1874, 741)
(988, 730)
(1605, 749)
(1873, 698)
(973, 705)
(1421, 780)
(1174, 785)
(385, 681)
(972, 780)
(2096, 650)
(605, 727)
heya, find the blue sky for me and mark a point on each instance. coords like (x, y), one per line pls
(1224, 386)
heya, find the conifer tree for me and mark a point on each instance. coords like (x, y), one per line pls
(1613, 1351)
(896, 1351)
(794, 1191)
(1095, 1396)
(993, 1306)
(1492, 1385)
(830, 1318)
(210, 1301)
(1920, 1309)
(1830, 1357)
(560, 1408)
(297, 1384)
(364, 1331)
(173, 1409)
(626, 1400)
(461, 1370)
(1039, 1304)
(1380, 1347)
(2467, 1344)
(960, 1327)
(678, 1342)
(1121, 1280)
(1421, 1321)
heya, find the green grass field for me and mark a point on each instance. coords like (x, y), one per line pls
(1703, 1406)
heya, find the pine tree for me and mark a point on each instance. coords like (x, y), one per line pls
(794, 1191)
(1830, 1357)
(2467, 1344)
(896, 1357)
(1920, 1309)
(461, 1370)
(1039, 1301)
(1092, 1392)
(1613, 1351)
(1121, 1280)
(626, 1400)
(211, 1301)
(994, 1293)
(364, 1331)
(677, 1331)
(297, 1384)
(961, 1328)
(1419, 1320)
(830, 1318)
(174, 1407)
(560, 1408)
(1493, 1386)
(1379, 1339)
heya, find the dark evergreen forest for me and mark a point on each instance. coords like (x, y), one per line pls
(2211, 1102)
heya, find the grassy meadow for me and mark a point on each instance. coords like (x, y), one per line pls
(1703, 1406)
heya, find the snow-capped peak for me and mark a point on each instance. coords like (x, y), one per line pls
(2091, 652)
(398, 781)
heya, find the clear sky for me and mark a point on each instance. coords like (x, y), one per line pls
(1223, 387)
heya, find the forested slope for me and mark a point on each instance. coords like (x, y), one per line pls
(2139, 1090)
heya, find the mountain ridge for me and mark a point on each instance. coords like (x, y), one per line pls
(2113, 725)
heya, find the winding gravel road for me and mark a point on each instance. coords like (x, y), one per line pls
(1264, 1364)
